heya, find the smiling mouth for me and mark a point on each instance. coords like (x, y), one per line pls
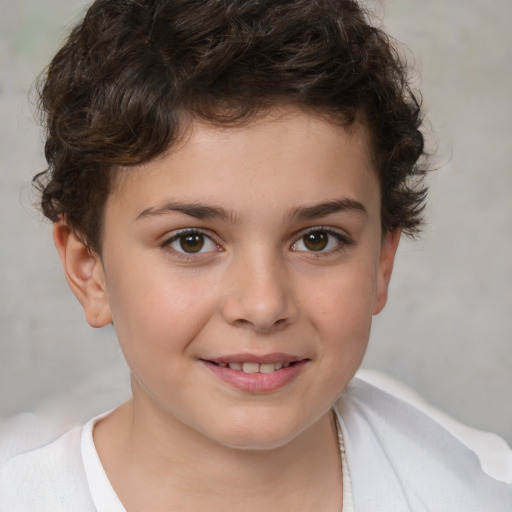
(254, 367)
(251, 367)
(257, 373)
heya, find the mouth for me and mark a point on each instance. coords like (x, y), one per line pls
(257, 374)
(253, 367)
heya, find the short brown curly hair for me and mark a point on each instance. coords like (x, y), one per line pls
(117, 92)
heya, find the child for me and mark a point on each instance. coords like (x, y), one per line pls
(228, 182)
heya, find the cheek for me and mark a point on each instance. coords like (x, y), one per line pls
(342, 314)
(344, 299)
(154, 308)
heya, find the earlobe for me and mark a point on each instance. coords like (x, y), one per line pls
(385, 268)
(84, 273)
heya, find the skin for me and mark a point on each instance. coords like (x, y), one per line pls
(257, 286)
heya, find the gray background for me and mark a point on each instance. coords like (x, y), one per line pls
(447, 329)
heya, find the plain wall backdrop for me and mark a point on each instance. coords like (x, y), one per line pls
(447, 329)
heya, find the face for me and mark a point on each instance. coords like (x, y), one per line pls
(241, 271)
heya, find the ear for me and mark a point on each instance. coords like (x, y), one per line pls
(84, 274)
(385, 268)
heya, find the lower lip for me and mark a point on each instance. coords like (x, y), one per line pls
(257, 382)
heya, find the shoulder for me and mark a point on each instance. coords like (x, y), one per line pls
(48, 478)
(424, 459)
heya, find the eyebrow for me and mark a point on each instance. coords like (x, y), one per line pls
(201, 211)
(323, 209)
(196, 210)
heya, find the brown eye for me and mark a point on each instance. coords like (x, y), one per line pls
(316, 240)
(193, 242)
(322, 241)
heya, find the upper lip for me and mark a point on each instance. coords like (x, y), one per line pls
(275, 357)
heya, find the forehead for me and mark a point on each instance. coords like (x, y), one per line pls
(284, 157)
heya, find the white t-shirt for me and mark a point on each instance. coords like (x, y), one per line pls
(105, 498)
(395, 457)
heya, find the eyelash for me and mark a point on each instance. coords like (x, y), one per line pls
(342, 239)
(183, 233)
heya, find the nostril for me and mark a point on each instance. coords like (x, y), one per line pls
(261, 326)
(261, 304)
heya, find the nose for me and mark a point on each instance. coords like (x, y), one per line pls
(259, 296)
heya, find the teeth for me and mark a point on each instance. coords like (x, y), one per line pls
(251, 367)
(255, 367)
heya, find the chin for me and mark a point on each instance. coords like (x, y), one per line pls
(258, 434)
(257, 442)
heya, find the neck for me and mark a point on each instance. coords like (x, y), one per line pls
(147, 458)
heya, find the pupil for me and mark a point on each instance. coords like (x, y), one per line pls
(192, 243)
(316, 241)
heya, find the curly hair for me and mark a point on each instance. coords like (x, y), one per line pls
(119, 90)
